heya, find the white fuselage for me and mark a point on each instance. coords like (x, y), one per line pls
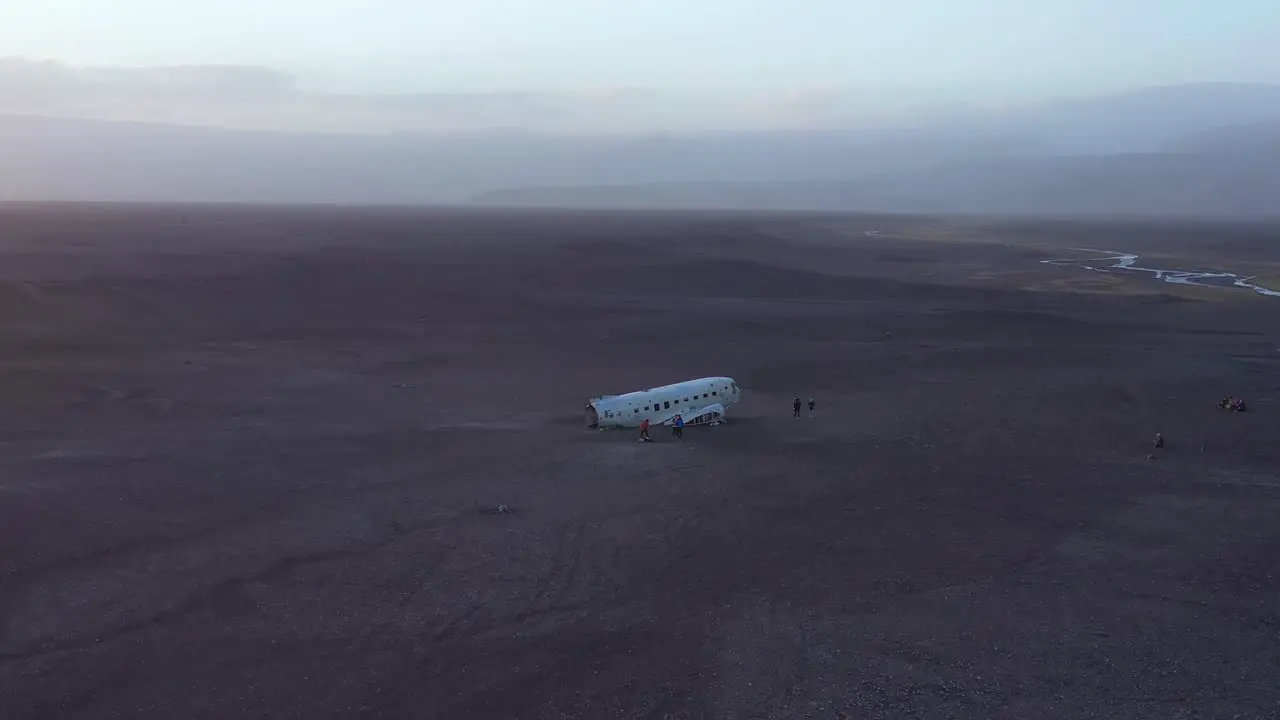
(700, 401)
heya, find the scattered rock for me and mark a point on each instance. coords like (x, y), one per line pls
(500, 509)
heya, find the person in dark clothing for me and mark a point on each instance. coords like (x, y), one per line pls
(811, 406)
(677, 427)
(795, 408)
(1159, 443)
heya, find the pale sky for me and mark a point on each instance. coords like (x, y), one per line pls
(606, 65)
(1036, 47)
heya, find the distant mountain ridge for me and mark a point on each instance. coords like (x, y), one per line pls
(1247, 138)
(1201, 149)
(1139, 184)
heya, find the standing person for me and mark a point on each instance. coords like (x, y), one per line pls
(677, 428)
(644, 431)
(811, 405)
(795, 407)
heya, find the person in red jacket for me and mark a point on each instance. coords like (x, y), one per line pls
(644, 431)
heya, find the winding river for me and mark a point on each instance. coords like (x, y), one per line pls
(1126, 261)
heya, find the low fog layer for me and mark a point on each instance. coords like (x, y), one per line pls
(252, 135)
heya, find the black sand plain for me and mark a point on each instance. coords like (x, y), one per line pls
(251, 457)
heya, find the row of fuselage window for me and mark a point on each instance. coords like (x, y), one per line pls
(666, 405)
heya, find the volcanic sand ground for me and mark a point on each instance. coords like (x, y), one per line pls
(248, 453)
